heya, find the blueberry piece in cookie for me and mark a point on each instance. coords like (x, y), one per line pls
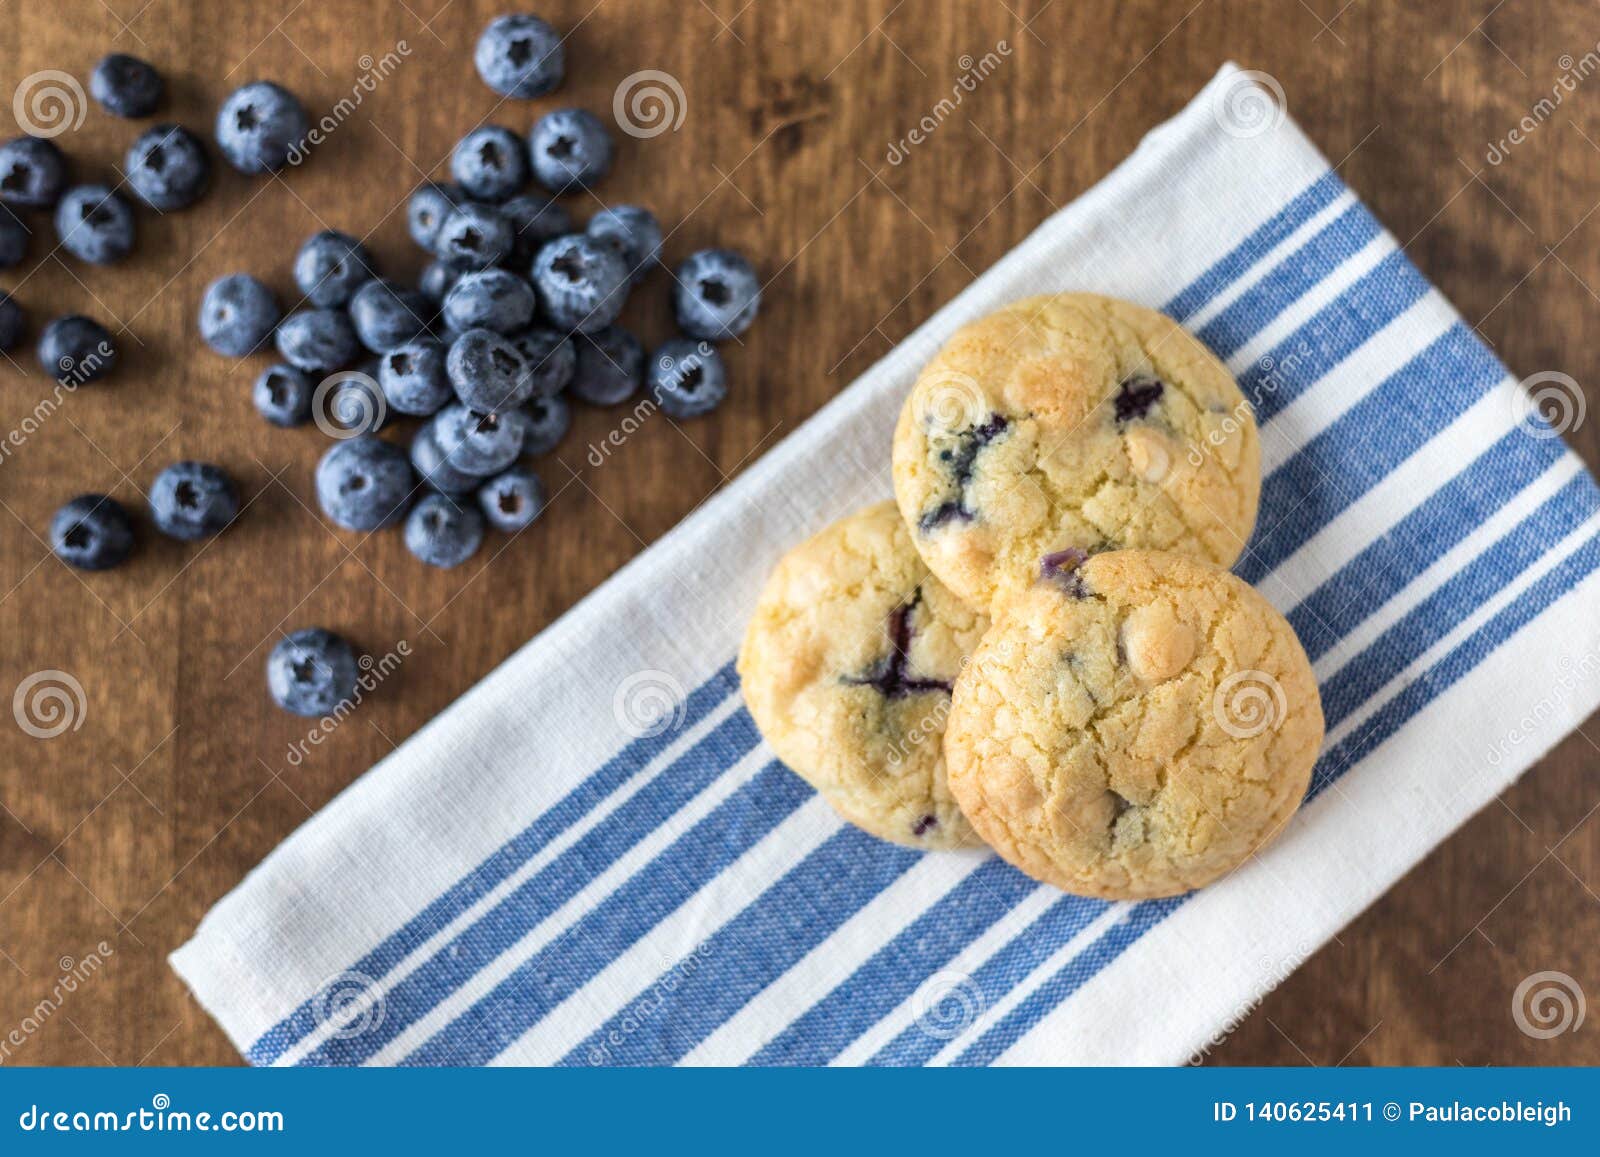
(847, 668)
(957, 459)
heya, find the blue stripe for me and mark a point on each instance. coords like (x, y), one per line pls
(1366, 443)
(1298, 274)
(536, 898)
(753, 949)
(1416, 542)
(572, 959)
(504, 862)
(894, 972)
(1306, 205)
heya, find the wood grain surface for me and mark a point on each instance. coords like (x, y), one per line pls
(175, 781)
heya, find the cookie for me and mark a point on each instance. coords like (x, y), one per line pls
(1072, 422)
(1138, 724)
(847, 667)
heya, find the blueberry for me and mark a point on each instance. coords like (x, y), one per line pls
(357, 403)
(126, 86)
(582, 284)
(487, 372)
(92, 532)
(473, 236)
(717, 295)
(167, 167)
(386, 314)
(548, 419)
(12, 321)
(442, 532)
(14, 238)
(312, 672)
(192, 500)
(634, 232)
(364, 483)
(534, 219)
(569, 148)
(436, 280)
(428, 461)
(550, 358)
(413, 377)
(33, 173)
(94, 224)
(429, 205)
(318, 341)
(1135, 397)
(610, 366)
(490, 163)
(77, 349)
(687, 378)
(520, 56)
(478, 443)
(237, 314)
(490, 299)
(261, 127)
(330, 267)
(512, 500)
(283, 395)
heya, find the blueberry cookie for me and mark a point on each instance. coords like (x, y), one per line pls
(847, 667)
(1072, 422)
(1138, 724)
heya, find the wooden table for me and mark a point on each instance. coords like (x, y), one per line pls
(175, 782)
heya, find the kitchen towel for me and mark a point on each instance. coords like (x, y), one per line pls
(592, 858)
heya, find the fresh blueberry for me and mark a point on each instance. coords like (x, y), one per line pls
(168, 167)
(94, 224)
(126, 86)
(687, 378)
(582, 284)
(77, 349)
(192, 500)
(610, 366)
(237, 315)
(364, 483)
(386, 314)
(428, 461)
(548, 419)
(634, 232)
(520, 56)
(549, 356)
(487, 372)
(490, 299)
(534, 219)
(490, 163)
(473, 236)
(12, 322)
(14, 238)
(429, 205)
(717, 294)
(413, 377)
(357, 403)
(317, 341)
(33, 173)
(512, 500)
(436, 280)
(478, 443)
(283, 395)
(569, 149)
(312, 672)
(92, 532)
(260, 127)
(330, 267)
(442, 532)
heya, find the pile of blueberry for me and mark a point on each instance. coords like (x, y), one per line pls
(515, 314)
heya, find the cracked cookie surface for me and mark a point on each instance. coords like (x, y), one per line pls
(847, 667)
(1136, 725)
(1072, 421)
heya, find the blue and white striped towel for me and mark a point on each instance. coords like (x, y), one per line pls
(543, 875)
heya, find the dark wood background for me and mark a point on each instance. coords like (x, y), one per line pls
(176, 783)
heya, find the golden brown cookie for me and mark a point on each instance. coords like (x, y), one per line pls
(1138, 724)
